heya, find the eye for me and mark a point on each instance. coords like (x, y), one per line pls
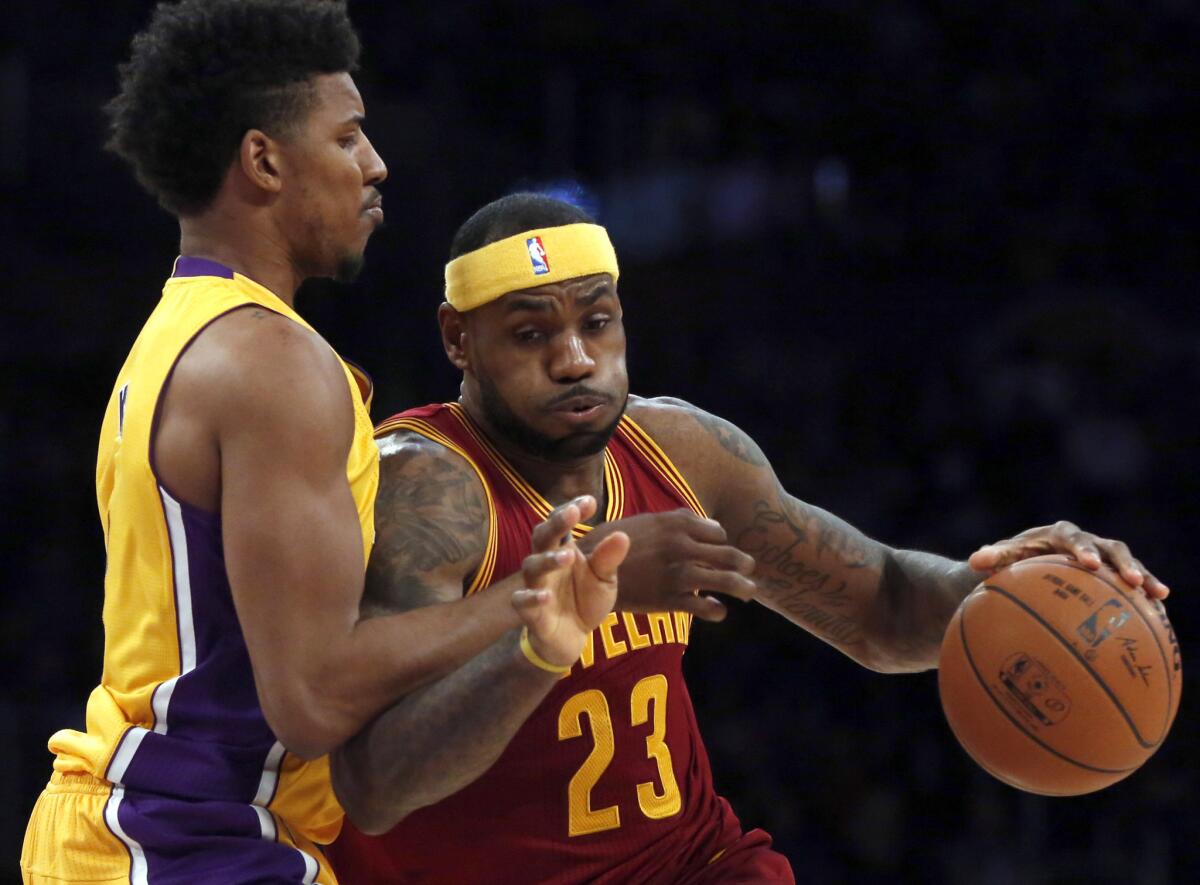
(530, 336)
(348, 141)
(596, 322)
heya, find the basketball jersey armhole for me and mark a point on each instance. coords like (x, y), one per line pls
(482, 576)
(653, 453)
(162, 395)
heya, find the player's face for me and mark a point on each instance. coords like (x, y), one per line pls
(331, 204)
(547, 367)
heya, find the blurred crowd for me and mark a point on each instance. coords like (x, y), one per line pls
(939, 260)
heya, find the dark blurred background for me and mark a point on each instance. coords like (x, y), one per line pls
(940, 259)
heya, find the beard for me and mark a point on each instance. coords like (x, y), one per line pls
(504, 422)
(348, 268)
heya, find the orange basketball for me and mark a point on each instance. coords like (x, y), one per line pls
(1059, 680)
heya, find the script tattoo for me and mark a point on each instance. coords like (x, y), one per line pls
(731, 438)
(429, 513)
(793, 546)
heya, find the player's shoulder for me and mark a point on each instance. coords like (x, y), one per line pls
(254, 363)
(661, 413)
(669, 418)
(692, 435)
(409, 457)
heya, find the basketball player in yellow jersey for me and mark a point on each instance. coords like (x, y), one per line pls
(236, 484)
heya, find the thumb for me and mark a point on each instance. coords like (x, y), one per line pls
(608, 556)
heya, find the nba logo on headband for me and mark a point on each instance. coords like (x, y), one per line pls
(537, 255)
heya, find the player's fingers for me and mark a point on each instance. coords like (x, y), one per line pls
(1155, 588)
(538, 567)
(723, 556)
(608, 556)
(587, 507)
(706, 608)
(529, 600)
(707, 531)
(555, 530)
(698, 577)
(990, 557)
(1082, 546)
(1116, 554)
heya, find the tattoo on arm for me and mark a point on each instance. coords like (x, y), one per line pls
(430, 520)
(806, 561)
(438, 739)
(731, 438)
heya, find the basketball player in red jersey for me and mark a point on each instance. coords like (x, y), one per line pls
(608, 780)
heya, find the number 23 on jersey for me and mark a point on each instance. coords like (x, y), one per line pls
(648, 703)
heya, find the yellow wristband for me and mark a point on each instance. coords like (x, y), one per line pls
(537, 660)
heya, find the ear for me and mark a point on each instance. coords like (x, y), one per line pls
(454, 336)
(259, 158)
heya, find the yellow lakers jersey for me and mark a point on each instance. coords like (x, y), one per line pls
(176, 713)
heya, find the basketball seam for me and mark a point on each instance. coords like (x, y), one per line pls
(1162, 652)
(962, 632)
(1137, 734)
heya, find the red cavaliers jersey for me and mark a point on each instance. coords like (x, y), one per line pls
(608, 780)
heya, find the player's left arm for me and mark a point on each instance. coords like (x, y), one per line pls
(884, 607)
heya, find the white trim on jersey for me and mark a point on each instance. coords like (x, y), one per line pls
(161, 701)
(183, 582)
(138, 870)
(124, 755)
(270, 776)
(267, 784)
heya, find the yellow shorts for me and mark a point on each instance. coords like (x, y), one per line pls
(162, 840)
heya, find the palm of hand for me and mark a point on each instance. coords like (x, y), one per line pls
(579, 601)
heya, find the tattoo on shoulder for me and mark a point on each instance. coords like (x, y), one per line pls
(732, 439)
(429, 514)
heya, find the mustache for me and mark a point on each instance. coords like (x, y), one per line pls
(374, 197)
(578, 390)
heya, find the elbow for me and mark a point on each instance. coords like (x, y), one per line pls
(892, 656)
(362, 798)
(304, 725)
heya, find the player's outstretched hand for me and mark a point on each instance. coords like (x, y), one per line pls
(674, 559)
(567, 593)
(1066, 537)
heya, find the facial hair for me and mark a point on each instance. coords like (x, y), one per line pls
(505, 423)
(348, 268)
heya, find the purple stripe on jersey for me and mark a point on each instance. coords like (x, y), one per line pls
(216, 738)
(186, 266)
(192, 843)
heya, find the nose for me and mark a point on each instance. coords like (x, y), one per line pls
(571, 361)
(374, 170)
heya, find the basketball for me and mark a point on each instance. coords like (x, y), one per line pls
(1057, 679)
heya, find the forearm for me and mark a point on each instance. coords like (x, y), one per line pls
(918, 594)
(348, 674)
(438, 739)
(388, 657)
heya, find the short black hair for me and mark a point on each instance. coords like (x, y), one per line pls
(206, 71)
(511, 215)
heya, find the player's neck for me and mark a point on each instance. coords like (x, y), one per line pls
(244, 251)
(558, 481)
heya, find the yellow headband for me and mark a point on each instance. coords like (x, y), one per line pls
(527, 260)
